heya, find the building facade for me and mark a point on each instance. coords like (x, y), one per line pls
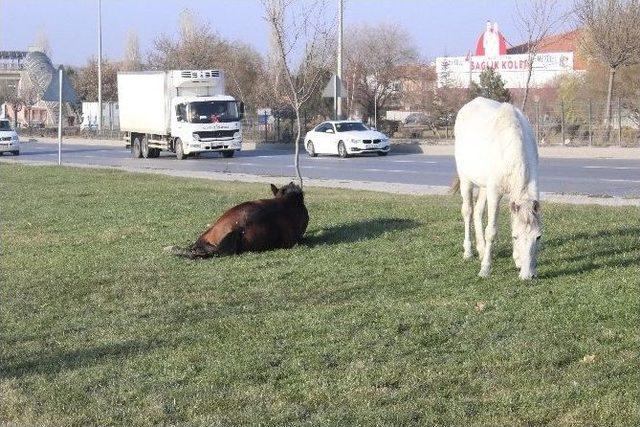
(556, 57)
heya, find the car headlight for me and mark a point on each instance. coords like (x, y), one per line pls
(355, 141)
(14, 138)
(196, 137)
(237, 134)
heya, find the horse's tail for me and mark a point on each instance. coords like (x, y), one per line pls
(192, 252)
(455, 186)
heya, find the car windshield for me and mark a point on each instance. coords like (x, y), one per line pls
(350, 126)
(4, 125)
(213, 112)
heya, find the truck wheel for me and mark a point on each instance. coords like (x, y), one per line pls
(144, 148)
(227, 154)
(179, 150)
(154, 153)
(135, 148)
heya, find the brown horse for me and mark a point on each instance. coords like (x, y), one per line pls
(259, 225)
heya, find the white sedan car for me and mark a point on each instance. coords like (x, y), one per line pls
(345, 138)
(9, 141)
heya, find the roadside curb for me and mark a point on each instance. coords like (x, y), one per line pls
(409, 147)
(392, 188)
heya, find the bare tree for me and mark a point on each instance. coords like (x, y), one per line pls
(536, 20)
(613, 37)
(132, 60)
(42, 42)
(301, 38)
(86, 81)
(9, 95)
(29, 95)
(376, 59)
(198, 46)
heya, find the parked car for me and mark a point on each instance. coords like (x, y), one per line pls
(9, 141)
(345, 138)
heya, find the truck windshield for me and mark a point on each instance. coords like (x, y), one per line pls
(4, 125)
(213, 112)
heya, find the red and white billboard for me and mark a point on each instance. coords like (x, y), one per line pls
(491, 52)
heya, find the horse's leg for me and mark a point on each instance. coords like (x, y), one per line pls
(466, 190)
(231, 244)
(493, 204)
(478, 213)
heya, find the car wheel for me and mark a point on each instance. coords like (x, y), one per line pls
(227, 154)
(179, 150)
(311, 149)
(382, 153)
(144, 148)
(135, 149)
(342, 150)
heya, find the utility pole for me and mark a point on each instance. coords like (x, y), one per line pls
(60, 106)
(338, 97)
(99, 65)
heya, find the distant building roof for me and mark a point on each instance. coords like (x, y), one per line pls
(565, 42)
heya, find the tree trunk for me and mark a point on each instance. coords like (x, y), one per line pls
(296, 161)
(526, 87)
(609, 111)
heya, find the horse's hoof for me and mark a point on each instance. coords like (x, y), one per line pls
(467, 256)
(484, 272)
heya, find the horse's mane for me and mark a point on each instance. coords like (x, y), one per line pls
(528, 212)
(519, 145)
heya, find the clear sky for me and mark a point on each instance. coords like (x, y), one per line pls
(437, 26)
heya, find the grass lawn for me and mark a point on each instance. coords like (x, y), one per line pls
(376, 319)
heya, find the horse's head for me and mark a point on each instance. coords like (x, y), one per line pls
(526, 230)
(287, 190)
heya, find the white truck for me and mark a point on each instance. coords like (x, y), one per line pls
(183, 111)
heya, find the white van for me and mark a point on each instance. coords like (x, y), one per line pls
(9, 141)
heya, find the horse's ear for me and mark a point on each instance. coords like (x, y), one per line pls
(514, 208)
(536, 206)
(274, 189)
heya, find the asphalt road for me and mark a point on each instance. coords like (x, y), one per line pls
(596, 177)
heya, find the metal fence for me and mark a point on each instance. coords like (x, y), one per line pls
(584, 123)
(554, 123)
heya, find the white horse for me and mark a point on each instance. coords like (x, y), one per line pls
(496, 151)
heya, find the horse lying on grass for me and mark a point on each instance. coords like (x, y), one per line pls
(496, 151)
(259, 225)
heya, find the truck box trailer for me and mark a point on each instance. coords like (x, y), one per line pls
(181, 111)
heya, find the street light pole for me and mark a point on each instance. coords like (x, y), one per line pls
(60, 115)
(339, 62)
(99, 65)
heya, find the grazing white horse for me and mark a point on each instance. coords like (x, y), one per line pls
(496, 151)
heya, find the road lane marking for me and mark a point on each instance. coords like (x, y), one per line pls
(633, 181)
(620, 168)
(429, 162)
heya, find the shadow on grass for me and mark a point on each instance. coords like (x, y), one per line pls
(588, 260)
(357, 231)
(68, 360)
(589, 236)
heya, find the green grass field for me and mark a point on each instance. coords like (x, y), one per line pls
(375, 319)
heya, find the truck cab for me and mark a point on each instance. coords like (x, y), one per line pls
(210, 123)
